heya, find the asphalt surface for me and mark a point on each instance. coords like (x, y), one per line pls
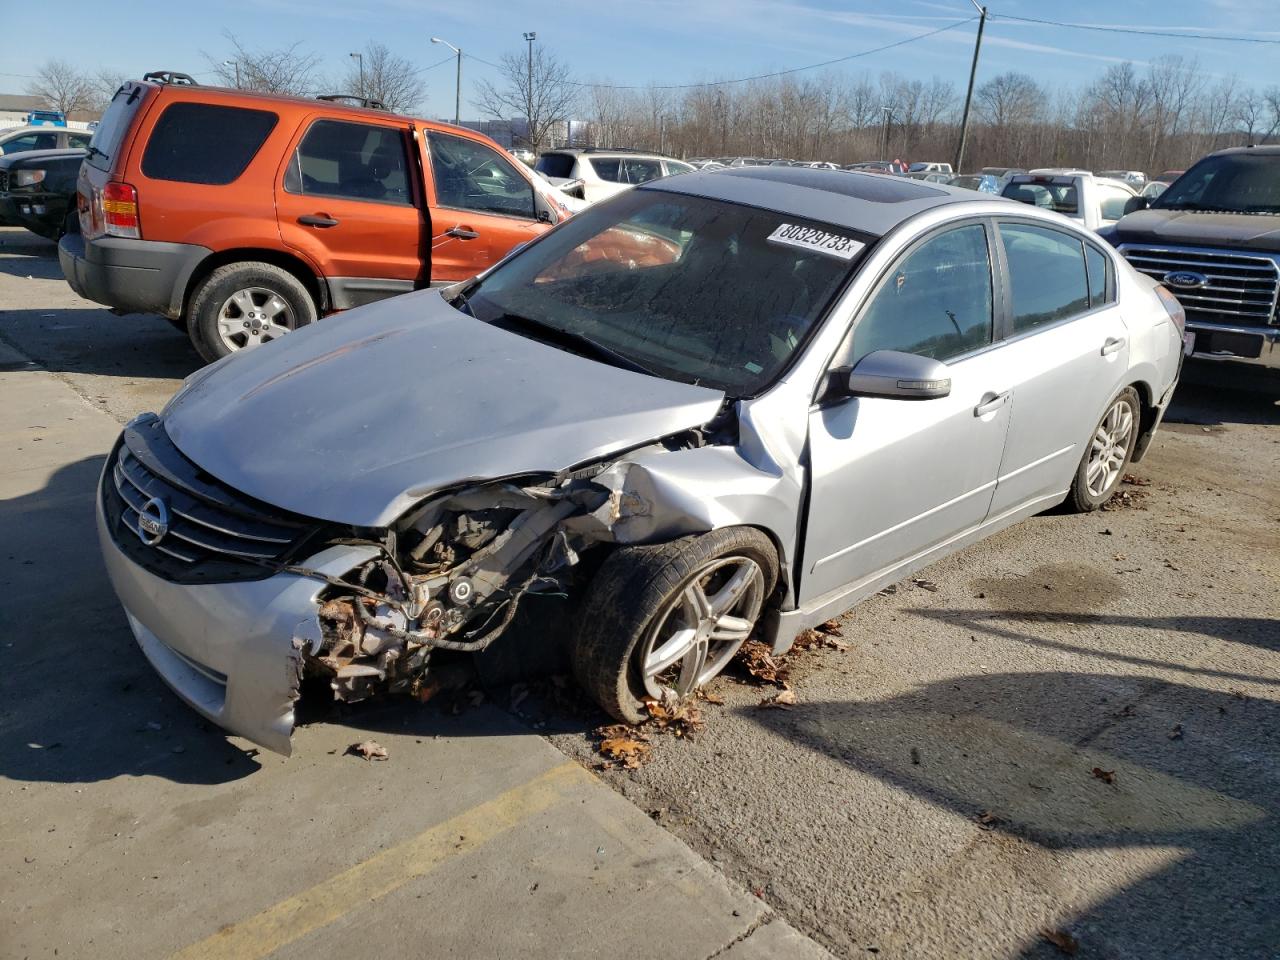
(1071, 730)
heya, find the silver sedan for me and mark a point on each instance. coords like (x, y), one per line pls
(718, 405)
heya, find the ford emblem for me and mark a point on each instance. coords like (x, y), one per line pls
(1185, 279)
(153, 521)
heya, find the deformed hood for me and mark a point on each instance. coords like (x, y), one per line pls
(1186, 227)
(357, 417)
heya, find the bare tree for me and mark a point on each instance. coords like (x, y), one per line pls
(288, 70)
(103, 87)
(536, 87)
(386, 77)
(60, 86)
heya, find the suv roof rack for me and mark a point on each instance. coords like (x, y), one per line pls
(171, 76)
(616, 150)
(370, 103)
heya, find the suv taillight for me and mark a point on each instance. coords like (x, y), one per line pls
(1171, 305)
(120, 211)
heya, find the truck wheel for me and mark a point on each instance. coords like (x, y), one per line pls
(242, 305)
(664, 620)
(1107, 454)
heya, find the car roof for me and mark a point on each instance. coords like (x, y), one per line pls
(1266, 149)
(868, 202)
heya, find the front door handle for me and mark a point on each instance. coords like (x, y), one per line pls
(461, 233)
(990, 403)
(317, 220)
(1113, 345)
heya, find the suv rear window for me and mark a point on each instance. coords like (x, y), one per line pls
(111, 130)
(205, 143)
(555, 165)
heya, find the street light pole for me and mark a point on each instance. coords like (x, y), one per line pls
(457, 90)
(360, 58)
(234, 63)
(529, 37)
(968, 97)
(884, 131)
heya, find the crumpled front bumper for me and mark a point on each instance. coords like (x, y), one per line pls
(228, 649)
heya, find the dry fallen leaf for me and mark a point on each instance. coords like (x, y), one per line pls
(1176, 732)
(758, 660)
(1106, 776)
(679, 717)
(1062, 940)
(925, 584)
(784, 698)
(622, 747)
(369, 750)
(711, 698)
(988, 820)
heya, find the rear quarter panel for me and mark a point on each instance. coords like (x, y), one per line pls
(1154, 341)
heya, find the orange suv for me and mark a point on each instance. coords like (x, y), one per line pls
(241, 216)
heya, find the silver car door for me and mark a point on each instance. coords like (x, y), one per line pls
(893, 478)
(1066, 355)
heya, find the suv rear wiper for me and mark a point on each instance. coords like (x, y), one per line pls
(570, 338)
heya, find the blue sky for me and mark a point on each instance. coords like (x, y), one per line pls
(664, 41)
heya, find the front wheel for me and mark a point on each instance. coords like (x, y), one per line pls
(664, 620)
(1107, 454)
(243, 305)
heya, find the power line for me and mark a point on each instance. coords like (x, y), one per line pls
(760, 76)
(1107, 28)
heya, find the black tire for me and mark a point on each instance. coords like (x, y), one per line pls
(1080, 499)
(214, 290)
(633, 586)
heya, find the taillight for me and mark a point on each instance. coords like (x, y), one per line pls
(1171, 305)
(120, 211)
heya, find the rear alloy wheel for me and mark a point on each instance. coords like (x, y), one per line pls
(244, 305)
(1107, 455)
(662, 621)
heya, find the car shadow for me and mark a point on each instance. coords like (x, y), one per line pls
(90, 340)
(1214, 394)
(1074, 762)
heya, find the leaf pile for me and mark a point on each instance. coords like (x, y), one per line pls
(680, 718)
(623, 747)
(758, 660)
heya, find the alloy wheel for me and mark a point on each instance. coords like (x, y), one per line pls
(699, 630)
(253, 316)
(1109, 449)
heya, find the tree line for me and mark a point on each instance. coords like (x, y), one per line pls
(1162, 116)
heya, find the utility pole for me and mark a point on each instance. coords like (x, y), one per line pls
(360, 58)
(884, 131)
(529, 37)
(968, 97)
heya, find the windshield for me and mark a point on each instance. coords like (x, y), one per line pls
(1234, 182)
(1059, 197)
(691, 289)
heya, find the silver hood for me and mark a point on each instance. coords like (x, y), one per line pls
(358, 417)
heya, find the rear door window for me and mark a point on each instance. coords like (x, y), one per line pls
(640, 171)
(32, 141)
(1047, 273)
(78, 141)
(205, 142)
(471, 176)
(353, 161)
(555, 165)
(1097, 263)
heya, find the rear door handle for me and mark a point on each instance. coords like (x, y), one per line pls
(1113, 345)
(317, 220)
(990, 403)
(461, 233)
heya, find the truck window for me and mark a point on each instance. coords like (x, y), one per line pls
(205, 143)
(1047, 273)
(354, 161)
(471, 176)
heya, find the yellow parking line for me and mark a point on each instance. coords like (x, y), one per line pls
(291, 919)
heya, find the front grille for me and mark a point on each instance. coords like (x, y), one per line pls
(1242, 287)
(214, 533)
(4, 180)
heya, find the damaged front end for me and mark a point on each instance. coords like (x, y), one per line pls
(451, 574)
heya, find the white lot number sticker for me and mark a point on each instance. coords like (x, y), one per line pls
(819, 241)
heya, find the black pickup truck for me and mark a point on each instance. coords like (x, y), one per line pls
(1213, 238)
(38, 191)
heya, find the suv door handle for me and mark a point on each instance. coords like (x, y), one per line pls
(318, 220)
(1112, 345)
(990, 403)
(461, 233)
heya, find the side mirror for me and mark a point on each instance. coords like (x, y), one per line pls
(1134, 204)
(899, 376)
